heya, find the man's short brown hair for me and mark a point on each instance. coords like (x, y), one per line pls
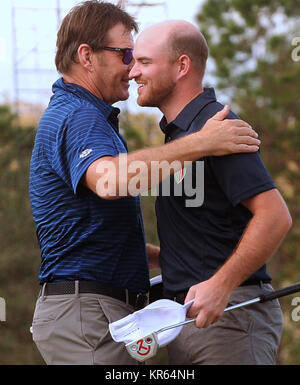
(193, 45)
(88, 23)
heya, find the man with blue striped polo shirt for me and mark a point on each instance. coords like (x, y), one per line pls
(94, 261)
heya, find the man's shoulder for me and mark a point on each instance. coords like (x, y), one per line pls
(65, 109)
(70, 97)
(206, 112)
(68, 104)
(213, 107)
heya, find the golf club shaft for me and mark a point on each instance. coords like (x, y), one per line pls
(263, 298)
(251, 301)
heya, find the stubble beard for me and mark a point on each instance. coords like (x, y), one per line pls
(156, 96)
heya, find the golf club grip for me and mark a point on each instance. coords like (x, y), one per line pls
(280, 293)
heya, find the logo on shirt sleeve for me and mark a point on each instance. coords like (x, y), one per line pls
(85, 153)
(179, 175)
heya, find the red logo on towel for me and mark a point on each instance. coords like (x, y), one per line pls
(145, 348)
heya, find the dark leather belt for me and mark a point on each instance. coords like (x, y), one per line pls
(137, 300)
(180, 296)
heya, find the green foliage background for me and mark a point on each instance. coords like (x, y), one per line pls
(250, 44)
(251, 55)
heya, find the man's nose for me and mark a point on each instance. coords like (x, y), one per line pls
(133, 70)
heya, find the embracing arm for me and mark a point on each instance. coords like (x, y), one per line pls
(270, 223)
(153, 255)
(111, 177)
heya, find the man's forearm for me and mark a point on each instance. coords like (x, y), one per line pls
(262, 237)
(138, 171)
(144, 169)
(115, 177)
(153, 255)
(258, 244)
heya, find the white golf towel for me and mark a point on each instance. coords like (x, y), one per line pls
(152, 318)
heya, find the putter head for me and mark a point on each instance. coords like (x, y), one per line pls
(144, 348)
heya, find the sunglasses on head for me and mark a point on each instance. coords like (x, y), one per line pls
(127, 53)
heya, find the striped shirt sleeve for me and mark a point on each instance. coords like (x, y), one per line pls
(85, 137)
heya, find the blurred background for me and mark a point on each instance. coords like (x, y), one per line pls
(254, 65)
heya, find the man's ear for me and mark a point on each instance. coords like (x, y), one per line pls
(85, 54)
(184, 65)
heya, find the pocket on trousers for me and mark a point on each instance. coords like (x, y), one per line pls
(94, 324)
(43, 322)
(41, 331)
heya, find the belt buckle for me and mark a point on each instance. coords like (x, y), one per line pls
(140, 301)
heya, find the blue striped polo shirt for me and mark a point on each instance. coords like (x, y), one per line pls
(81, 236)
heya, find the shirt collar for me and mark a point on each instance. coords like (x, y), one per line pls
(190, 111)
(110, 113)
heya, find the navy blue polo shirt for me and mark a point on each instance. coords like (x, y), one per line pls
(196, 241)
(81, 236)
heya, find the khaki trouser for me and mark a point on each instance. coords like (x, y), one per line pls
(73, 329)
(245, 336)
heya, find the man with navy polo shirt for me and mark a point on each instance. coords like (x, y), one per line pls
(94, 261)
(215, 253)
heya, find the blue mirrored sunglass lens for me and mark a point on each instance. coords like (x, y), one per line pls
(127, 56)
